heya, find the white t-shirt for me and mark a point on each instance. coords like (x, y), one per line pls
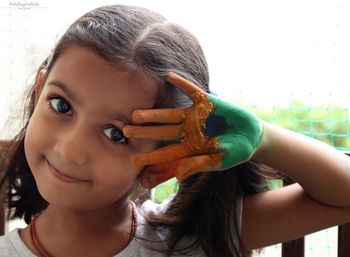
(11, 245)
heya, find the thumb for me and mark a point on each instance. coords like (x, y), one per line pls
(156, 174)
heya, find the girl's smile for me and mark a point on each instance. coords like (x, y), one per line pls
(62, 176)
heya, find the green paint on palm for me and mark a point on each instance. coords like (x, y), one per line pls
(242, 135)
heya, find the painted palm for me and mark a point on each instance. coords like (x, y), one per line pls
(212, 135)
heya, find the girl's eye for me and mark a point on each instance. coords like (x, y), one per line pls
(115, 134)
(60, 105)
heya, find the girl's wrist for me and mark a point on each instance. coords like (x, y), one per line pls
(262, 151)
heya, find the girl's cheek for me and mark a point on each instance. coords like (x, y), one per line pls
(33, 142)
(43, 123)
(39, 131)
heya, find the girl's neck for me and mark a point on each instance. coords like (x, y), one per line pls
(72, 233)
(101, 220)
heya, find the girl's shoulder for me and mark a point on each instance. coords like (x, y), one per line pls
(150, 241)
(11, 245)
(145, 230)
(155, 237)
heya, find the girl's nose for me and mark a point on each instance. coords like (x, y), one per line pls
(72, 146)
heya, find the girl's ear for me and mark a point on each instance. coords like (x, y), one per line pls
(39, 84)
(152, 176)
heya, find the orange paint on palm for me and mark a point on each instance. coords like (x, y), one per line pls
(165, 171)
(194, 125)
(188, 126)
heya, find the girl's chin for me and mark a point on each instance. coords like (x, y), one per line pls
(80, 201)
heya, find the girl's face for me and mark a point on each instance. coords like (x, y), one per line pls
(74, 143)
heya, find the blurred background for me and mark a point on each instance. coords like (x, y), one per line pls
(287, 61)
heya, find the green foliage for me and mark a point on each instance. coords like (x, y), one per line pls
(165, 189)
(275, 183)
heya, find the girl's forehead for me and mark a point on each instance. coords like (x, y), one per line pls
(91, 78)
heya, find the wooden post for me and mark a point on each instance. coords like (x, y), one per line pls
(344, 240)
(294, 248)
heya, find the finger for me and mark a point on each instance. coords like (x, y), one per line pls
(166, 132)
(164, 154)
(199, 163)
(175, 115)
(186, 86)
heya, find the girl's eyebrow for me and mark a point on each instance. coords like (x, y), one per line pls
(71, 95)
(64, 88)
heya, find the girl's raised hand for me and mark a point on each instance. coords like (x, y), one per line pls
(212, 135)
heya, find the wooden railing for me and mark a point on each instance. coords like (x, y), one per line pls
(295, 248)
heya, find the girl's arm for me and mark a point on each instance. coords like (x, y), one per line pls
(321, 200)
(285, 214)
(321, 170)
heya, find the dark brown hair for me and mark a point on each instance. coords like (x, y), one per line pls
(205, 206)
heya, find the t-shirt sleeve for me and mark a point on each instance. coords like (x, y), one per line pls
(150, 206)
(11, 245)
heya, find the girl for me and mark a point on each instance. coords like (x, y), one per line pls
(108, 111)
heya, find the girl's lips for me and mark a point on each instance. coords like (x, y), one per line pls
(63, 177)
